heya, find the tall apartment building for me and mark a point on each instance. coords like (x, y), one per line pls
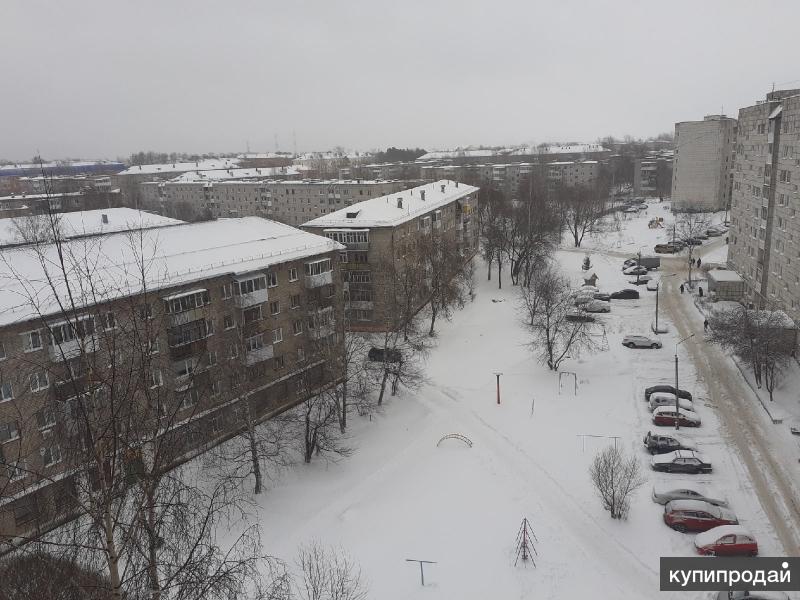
(765, 227)
(652, 174)
(215, 320)
(377, 230)
(292, 202)
(702, 168)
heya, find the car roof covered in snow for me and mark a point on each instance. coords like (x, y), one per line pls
(712, 535)
(670, 456)
(672, 485)
(691, 505)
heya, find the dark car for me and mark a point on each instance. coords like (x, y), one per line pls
(693, 241)
(662, 387)
(680, 461)
(626, 294)
(389, 355)
(666, 249)
(661, 444)
(579, 317)
(602, 296)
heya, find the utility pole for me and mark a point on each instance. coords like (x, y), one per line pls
(421, 562)
(677, 397)
(497, 374)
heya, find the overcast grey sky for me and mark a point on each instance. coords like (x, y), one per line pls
(107, 78)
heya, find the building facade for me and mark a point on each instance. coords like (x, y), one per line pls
(292, 202)
(237, 316)
(378, 230)
(765, 227)
(652, 174)
(702, 173)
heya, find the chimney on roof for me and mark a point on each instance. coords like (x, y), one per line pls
(442, 186)
(104, 218)
(422, 195)
(399, 203)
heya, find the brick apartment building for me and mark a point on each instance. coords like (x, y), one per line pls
(229, 314)
(375, 230)
(765, 225)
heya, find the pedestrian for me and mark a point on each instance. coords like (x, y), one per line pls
(698, 263)
(681, 288)
(726, 240)
(700, 292)
(705, 325)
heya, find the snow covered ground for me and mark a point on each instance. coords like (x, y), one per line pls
(402, 497)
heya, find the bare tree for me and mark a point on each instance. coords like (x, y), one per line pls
(328, 574)
(687, 228)
(616, 478)
(582, 208)
(546, 305)
(38, 575)
(764, 339)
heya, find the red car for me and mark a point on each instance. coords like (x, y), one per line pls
(726, 540)
(666, 415)
(696, 515)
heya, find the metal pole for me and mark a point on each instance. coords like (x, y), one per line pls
(497, 374)
(658, 285)
(677, 399)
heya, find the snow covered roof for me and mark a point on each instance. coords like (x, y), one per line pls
(54, 196)
(397, 208)
(56, 165)
(557, 149)
(712, 535)
(459, 153)
(182, 167)
(724, 275)
(80, 223)
(171, 256)
(223, 174)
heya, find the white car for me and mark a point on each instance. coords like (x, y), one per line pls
(652, 285)
(686, 490)
(666, 399)
(640, 341)
(635, 270)
(641, 279)
(597, 306)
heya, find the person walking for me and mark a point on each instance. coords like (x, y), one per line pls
(698, 263)
(705, 325)
(681, 288)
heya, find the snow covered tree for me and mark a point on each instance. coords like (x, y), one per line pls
(616, 478)
(687, 228)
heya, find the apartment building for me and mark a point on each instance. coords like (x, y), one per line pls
(197, 322)
(702, 169)
(292, 202)
(765, 227)
(17, 205)
(652, 174)
(374, 231)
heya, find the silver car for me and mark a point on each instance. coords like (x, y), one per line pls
(667, 492)
(640, 341)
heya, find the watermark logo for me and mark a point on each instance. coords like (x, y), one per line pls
(736, 574)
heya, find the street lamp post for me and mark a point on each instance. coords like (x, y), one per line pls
(497, 374)
(677, 397)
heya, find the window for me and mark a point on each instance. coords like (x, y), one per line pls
(248, 286)
(293, 274)
(51, 455)
(45, 418)
(8, 432)
(227, 291)
(6, 391)
(17, 471)
(68, 332)
(318, 267)
(38, 381)
(361, 315)
(279, 363)
(216, 388)
(301, 355)
(343, 256)
(295, 300)
(277, 335)
(274, 307)
(188, 302)
(228, 322)
(189, 398)
(297, 327)
(110, 320)
(251, 315)
(211, 358)
(254, 343)
(153, 346)
(32, 340)
(156, 380)
(184, 368)
(358, 276)
(272, 279)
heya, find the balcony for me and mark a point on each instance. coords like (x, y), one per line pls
(251, 299)
(361, 305)
(71, 349)
(322, 331)
(315, 281)
(255, 356)
(180, 318)
(357, 245)
(186, 350)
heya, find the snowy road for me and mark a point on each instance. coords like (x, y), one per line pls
(772, 470)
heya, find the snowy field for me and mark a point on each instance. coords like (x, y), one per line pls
(400, 496)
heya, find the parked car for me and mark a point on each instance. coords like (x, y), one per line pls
(597, 306)
(626, 294)
(714, 232)
(702, 235)
(631, 262)
(680, 461)
(693, 241)
(635, 270)
(726, 540)
(641, 280)
(664, 387)
(602, 296)
(640, 341)
(632, 210)
(668, 399)
(652, 285)
(389, 355)
(651, 262)
(579, 317)
(666, 248)
(686, 490)
(666, 415)
(583, 298)
(696, 515)
(744, 595)
(657, 443)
